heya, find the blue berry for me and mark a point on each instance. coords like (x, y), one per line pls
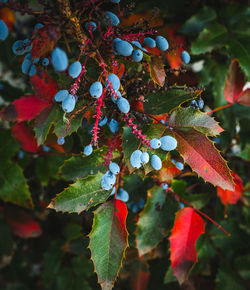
(200, 103)
(112, 19)
(68, 104)
(134, 207)
(60, 141)
(114, 42)
(155, 143)
(115, 82)
(115, 1)
(137, 55)
(37, 26)
(95, 90)
(88, 150)
(141, 203)
(26, 65)
(181, 205)
(136, 43)
(185, 57)
(135, 159)
(108, 180)
(61, 95)
(162, 43)
(179, 165)
(45, 61)
(18, 47)
(124, 48)
(59, 59)
(114, 168)
(149, 42)
(122, 195)
(113, 125)
(27, 45)
(194, 104)
(36, 60)
(118, 95)
(4, 31)
(20, 154)
(168, 143)
(103, 121)
(45, 148)
(123, 105)
(32, 70)
(156, 162)
(144, 157)
(92, 25)
(84, 122)
(75, 69)
(164, 186)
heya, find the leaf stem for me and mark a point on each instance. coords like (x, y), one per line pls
(220, 108)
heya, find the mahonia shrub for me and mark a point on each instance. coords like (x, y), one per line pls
(107, 116)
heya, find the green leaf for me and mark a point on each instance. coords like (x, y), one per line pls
(108, 241)
(155, 220)
(81, 195)
(169, 276)
(44, 122)
(52, 263)
(190, 118)
(227, 279)
(81, 166)
(62, 128)
(211, 37)
(198, 200)
(5, 241)
(47, 167)
(245, 154)
(241, 52)
(179, 186)
(198, 21)
(13, 186)
(8, 146)
(199, 152)
(165, 101)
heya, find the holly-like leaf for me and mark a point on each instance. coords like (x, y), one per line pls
(44, 122)
(188, 226)
(155, 220)
(81, 195)
(211, 37)
(82, 166)
(24, 109)
(108, 241)
(13, 186)
(44, 86)
(199, 152)
(234, 82)
(190, 118)
(157, 71)
(164, 101)
(23, 133)
(22, 224)
(231, 197)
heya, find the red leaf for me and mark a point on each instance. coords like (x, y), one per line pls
(22, 224)
(23, 133)
(234, 82)
(187, 228)
(44, 86)
(244, 98)
(139, 275)
(199, 152)
(168, 170)
(29, 107)
(231, 197)
(44, 40)
(121, 213)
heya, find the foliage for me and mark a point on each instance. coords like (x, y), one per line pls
(70, 221)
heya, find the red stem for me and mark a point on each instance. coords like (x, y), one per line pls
(220, 108)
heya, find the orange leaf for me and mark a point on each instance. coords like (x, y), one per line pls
(231, 197)
(187, 228)
(168, 170)
(157, 71)
(8, 16)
